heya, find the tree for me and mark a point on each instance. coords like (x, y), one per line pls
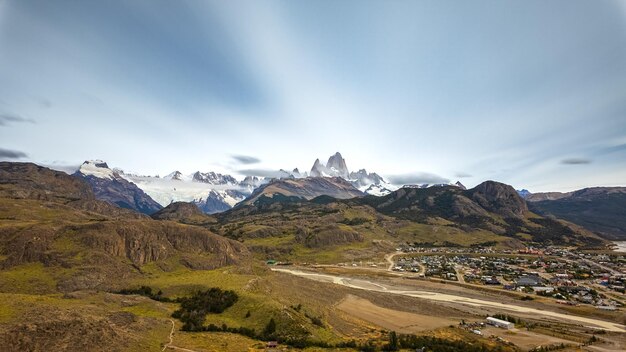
(393, 341)
(270, 329)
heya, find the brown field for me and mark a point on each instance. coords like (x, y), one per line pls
(390, 319)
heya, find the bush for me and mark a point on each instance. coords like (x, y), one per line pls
(193, 310)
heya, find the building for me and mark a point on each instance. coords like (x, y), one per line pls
(529, 281)
(500, 323)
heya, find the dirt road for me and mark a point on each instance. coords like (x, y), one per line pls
(450, 298)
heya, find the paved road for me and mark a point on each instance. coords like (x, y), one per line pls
(373, 286)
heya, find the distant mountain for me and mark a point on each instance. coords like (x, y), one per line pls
(492, 206)
(219, 201)
(212, 192)
(370, 183)
(335, 167)
(109, 186)
(214, 178)
(524, 193)
(599, 209)
(305, 189)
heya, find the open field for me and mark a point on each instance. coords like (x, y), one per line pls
(393, 320)
(449, 298)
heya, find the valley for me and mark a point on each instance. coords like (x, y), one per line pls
(311, 274)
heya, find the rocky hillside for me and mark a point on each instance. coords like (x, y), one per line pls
(109, 186)
(30, 181)
(304, 188)
(52, 219)
(599, 209)
(490, 206)
(187, 213)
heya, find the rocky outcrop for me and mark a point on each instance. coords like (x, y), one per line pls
(499, 198)
(178, 211)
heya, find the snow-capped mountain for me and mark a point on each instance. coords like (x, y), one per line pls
(370, 183)
(214, 178)
(212, 192)
(215, 192)
(252, 182)
(428, 185)
(219, 201)
(335, 167)
(109, 185)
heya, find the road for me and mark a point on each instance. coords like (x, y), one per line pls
(389, 258)
(367, 285)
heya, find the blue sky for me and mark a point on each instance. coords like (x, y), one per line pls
(531, 93)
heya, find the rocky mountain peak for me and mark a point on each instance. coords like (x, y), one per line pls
(499, 198)
(337, 165)
(176, 175)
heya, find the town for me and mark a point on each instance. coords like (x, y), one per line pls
(569, 277)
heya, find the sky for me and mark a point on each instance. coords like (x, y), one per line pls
(530, 93)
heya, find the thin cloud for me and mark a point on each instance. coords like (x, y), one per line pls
(462, 175)
(576, 161)
(261, 173)
(66, 167)
(417, 178)
(7, 118)
(11, 154)
(246, 159)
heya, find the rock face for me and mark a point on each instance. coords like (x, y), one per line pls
(109, 186)
(599, 209)
(337, 165)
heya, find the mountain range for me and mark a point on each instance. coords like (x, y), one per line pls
(599, 209)
(215, 192)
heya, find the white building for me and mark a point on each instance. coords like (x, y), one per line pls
(500, 323)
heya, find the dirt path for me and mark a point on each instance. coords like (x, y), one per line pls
(170, 344)
(459, 274)
(450, 298)
(389, 259)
